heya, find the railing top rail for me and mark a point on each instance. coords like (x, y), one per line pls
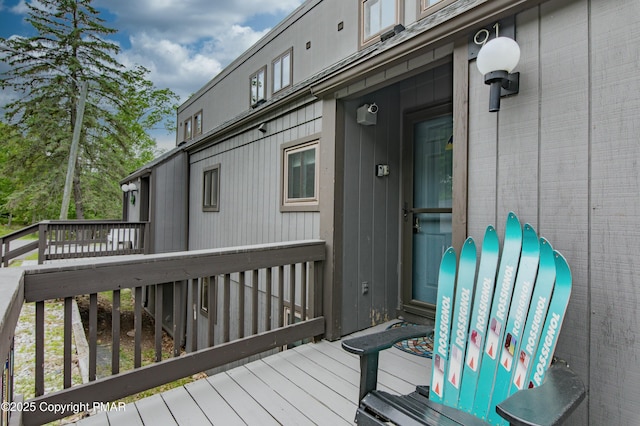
(12, 291)
(44, 282)
(20, 233)
(91, 222)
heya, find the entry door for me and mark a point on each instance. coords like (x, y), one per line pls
(427, 212)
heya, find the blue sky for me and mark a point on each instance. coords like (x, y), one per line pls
(184, 43)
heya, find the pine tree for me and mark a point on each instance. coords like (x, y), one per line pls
(71, 47)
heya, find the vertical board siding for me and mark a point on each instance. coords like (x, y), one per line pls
(250, 186)
(564, 154)
(615, 203)
(483, 167)
(372, 205)
(169, 201)
(564, 171)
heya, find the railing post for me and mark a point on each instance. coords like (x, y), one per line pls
(43, 229)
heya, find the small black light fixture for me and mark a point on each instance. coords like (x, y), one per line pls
(496, 60)
(262, 127)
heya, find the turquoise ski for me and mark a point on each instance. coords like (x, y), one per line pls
(480, 314)
(499, 310)
(553, 323)
(522, 291)
(537, 313)
(442, 330)
(465, 284)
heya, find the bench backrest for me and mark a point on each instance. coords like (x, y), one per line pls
(497, 326)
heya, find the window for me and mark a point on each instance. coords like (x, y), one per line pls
(204, 295)
(211, 189)
(282, 70)
(300, 176)
(258, 86)
(187, 130)
(427, 7)
(197, 123)
(377, 16)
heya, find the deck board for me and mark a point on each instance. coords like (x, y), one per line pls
(316, 383)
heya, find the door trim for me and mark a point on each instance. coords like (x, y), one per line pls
(408, 304)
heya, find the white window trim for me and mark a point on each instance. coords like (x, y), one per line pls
(195, 131)
(253, 102)
(188, 129)
(424, 10)
(375, 37)
(300, 204)
(278, 60)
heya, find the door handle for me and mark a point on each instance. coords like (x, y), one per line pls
(416, 225)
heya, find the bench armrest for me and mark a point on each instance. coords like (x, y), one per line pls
(367, 347)
(548, 404)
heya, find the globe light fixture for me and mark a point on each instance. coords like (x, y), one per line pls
(496, 60)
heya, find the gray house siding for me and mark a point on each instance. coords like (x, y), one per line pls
(372, 205)
(564, 154)
(169, 205)
(250, 184)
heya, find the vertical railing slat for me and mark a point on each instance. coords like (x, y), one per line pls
(303, 291)
(226, 297)
(93, 335)
(39, 373)
(192, 315)
(269, 292)
(212, 311)
(254, 302)
(67, 334)
(292, 294)
(115, 333)
(281, 296)
(177, 317)
(241, 304)
(158, 322)
(137, 322)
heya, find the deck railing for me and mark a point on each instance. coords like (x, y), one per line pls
(249, 292)
(70, 239)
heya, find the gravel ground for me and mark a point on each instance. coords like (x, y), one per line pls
(24, 367)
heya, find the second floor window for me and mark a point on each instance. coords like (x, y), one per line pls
(377, 15)
(187, 130)
(197, 123)
(258, 85)
(282, 71)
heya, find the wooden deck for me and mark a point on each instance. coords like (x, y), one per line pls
(311, 384)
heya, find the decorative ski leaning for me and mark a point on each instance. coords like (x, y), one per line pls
(509, 327)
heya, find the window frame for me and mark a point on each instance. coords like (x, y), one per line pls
(188, 129)
(300, 204)
(255, 75)
(208, 173)
(375, 37)
(288, 53)
(197, 118)
(424, 10)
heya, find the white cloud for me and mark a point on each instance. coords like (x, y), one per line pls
(185, 44)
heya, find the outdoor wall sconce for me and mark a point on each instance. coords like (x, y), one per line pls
(130, 188)
(496, 60)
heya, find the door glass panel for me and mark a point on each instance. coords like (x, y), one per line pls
(432, 202)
